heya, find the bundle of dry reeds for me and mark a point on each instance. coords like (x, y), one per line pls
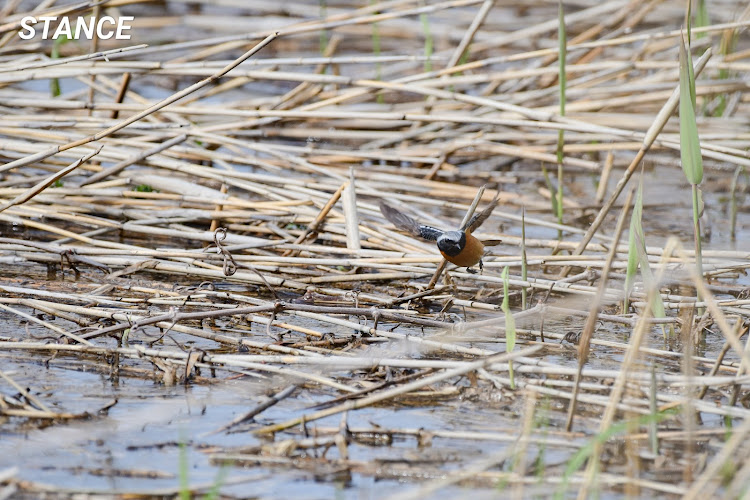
(201, 204)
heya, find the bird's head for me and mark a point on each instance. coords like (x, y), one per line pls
(451, 242)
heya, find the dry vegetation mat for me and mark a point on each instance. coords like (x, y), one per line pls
(196, 211)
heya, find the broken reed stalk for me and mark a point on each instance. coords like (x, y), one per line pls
(650, 137)
(313, 226)
(267, 150)
(139, 116)
(404, 389)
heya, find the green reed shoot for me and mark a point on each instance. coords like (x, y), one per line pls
(542, 421)
(653, 427)
(690, 148)
(54, 83)
(510, 325)
(323, 36)
(701, 18)
(733, 200)
(461, 61)
(429, 45)
(585, 453)
(556, 193)
(524, 264)
(726, 46)
(562, 49)
(635, 225)
(221, 475)
(464, 57)
(637, 256)
(553, 197)
(376, 52)
(184, 469)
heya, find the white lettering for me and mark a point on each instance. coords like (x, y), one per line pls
(46, 20)
(88, 29)
(121, 26)
(26, 23)
(63, 29)
(100, 25)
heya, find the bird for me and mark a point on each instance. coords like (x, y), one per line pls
(459, 247)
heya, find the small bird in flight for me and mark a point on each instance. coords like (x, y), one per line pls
(458, 247)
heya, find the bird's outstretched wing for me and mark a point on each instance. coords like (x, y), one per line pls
(479, 218)
(411, 226)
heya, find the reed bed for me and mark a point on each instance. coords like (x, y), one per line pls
(200, 206)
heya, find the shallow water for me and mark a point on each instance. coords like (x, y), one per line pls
(141, 436)
(135, 446)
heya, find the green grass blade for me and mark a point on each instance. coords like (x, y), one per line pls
(54, 83)
(559, 201)
(323, 36)
(637, 256)
(702, 18)
(464, 58)
(690, 150)
(524, 264)
(376, 52)
(562, 50)
(184, 470)
(428, 42)
(510, 324)
(726, 47)
(733, 201)
(653, 428)
(635, 224)
(579, 458)
(542, 422)
(461, 61)
(221, 475)
(649, 282)
(697, 212)
(554, 199)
